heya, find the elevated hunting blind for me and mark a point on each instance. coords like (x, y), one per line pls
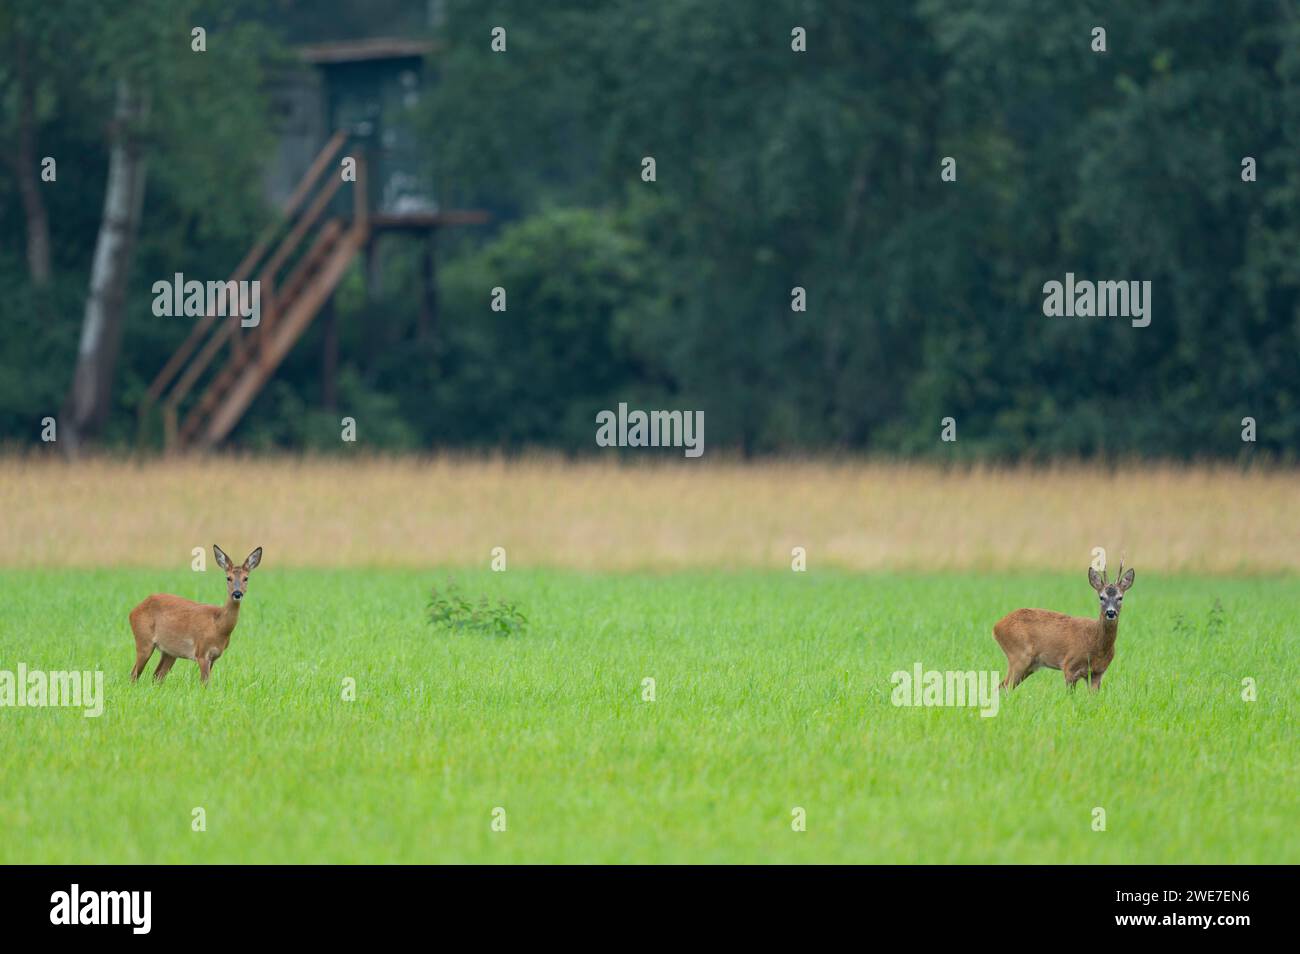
(351, 100)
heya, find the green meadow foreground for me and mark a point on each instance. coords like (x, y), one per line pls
(772, 691)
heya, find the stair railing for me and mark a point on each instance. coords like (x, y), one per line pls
(180, 374)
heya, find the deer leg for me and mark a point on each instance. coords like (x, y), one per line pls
(164, 666)
(1073, 672)
(1017, 671)
(1094, 681)
(205, 668)
(142, 654)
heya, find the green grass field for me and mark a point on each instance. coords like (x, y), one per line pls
(772, 691)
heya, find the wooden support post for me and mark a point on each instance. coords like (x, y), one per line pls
(237, 342)
(428, 324)
(361, 193)
(169, 426)
(329, 355)
(263, 328)
(374, 269)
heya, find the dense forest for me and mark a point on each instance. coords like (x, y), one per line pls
(854, 211)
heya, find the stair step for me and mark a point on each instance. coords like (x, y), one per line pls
(290, 323)
(300, 278)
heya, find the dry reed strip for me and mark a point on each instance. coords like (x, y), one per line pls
(611, 515)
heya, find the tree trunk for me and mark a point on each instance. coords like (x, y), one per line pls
(101, 331)
(24, 165)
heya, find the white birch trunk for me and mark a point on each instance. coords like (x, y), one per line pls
(101, 329)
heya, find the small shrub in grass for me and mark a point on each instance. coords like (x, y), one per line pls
(1213, 625)
(451, 611)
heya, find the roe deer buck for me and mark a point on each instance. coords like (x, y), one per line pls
(181, 628)
(1034, 638)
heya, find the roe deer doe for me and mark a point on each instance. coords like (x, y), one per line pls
(1034, 638)
(182, 628)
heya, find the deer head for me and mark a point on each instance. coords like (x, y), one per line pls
(1111, 595)
(237, 576)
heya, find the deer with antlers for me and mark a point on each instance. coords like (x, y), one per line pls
(1034, 639)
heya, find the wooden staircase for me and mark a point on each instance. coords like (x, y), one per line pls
(294, 286)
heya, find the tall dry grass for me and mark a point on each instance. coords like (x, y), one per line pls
(615, 516)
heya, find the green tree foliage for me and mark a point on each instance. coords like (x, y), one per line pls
(775, 169)
(821, 170)
(537, 372)
(207, 138)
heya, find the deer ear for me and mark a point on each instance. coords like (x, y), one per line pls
(223, 561)
(1126, 581)
(1096, 579)
(254, 559)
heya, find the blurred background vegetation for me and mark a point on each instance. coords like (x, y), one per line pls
(774, 169)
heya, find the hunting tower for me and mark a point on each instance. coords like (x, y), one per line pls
(355, 100)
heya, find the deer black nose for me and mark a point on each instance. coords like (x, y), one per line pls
(1111, 614)
(238, 594)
